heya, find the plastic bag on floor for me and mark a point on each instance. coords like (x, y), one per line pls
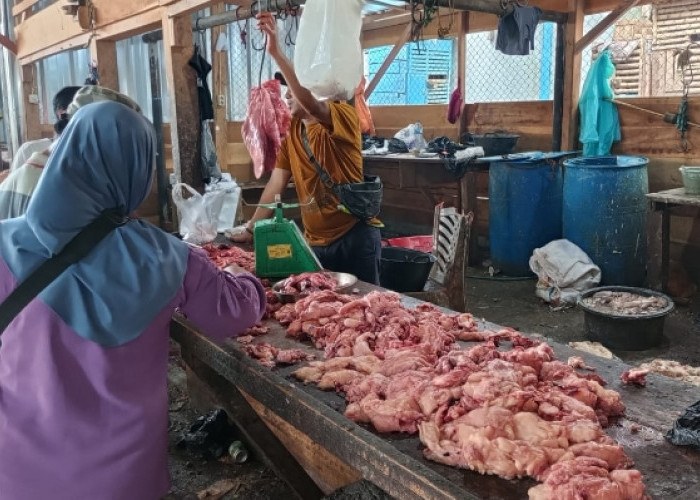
(209, 436)
(328, 55)
(198, 214)
(686, 430)
(564, 271)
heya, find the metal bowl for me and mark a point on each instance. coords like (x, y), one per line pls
(345, 282)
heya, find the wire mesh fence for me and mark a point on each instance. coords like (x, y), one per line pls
(652, 49)
(423, 72)
(492, 76)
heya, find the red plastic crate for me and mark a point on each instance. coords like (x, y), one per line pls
(420, 243)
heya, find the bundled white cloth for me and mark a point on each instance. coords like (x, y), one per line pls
(564, 271)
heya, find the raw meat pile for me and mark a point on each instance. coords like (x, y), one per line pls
(306, 283)
(343, 325)
(504, 406)
(223, 256)
(270, 355)
(265, 126)
(625, 303)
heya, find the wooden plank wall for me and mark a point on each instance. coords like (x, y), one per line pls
(648, 135)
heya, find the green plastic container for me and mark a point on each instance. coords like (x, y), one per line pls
(691, 179)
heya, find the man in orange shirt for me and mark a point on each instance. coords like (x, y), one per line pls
(341, 241)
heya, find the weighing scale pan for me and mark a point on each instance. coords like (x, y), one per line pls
(345, 282)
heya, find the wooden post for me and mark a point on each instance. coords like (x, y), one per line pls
(30, 100)
(184, 106)
(104, 52)
(220, 92)
(572, 75)
(462, 52)
(558, 101)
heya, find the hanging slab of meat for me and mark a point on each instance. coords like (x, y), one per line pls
(265, 126)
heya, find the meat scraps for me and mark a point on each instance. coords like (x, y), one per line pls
(636, 376)
(265, 126)
(269, 355)
(343, 325)
(588, 477)
(223, 256)
(511, 410)
(674, 369)
(306, 283)
(625, 303)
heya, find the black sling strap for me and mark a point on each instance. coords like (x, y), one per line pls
(46, 273)
(325, 178)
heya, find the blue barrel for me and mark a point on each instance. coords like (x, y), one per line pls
(605, 213)
(525, 202)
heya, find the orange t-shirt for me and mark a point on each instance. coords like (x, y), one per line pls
(338, 149)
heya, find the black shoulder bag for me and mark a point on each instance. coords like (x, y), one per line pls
(361, 199)
(46, 273)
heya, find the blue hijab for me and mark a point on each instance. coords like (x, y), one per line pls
(104, 159)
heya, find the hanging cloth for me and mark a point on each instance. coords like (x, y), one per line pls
(454, 109)
(600, 123)
(516, 30)
(202, 67)
(210, 163)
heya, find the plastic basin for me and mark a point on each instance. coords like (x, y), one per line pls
(622, 331)
(404, 270)
(691, 179)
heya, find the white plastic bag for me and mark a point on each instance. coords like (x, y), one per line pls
(328, 55)
(564, 271)
(230, 199)
(407, 135)
(197, 214)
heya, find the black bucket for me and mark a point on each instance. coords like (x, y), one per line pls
(404, 270)
(494, 143)
(625, 332)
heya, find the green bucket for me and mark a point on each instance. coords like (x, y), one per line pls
(691, 179)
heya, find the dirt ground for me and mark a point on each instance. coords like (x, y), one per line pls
(504, 302)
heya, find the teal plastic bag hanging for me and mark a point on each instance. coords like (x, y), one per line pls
(600, 123)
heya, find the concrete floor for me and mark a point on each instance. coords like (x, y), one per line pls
(504, 302)
(513, 303)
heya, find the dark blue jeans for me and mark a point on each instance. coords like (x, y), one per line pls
(357, 252)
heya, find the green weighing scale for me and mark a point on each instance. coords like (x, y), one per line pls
(280, 247)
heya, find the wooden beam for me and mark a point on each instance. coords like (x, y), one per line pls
(403, 38)
(220, 91)
(572, 75)
(184, 106)
(558, 98)
(32, 126)
(604, 24)
(462, 59)
(104, 52)
(22, 6)
(8, 44)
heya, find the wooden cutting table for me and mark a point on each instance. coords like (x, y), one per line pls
(665, 202)
(335, 451)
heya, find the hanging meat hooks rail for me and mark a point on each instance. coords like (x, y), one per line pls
(487, 6)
